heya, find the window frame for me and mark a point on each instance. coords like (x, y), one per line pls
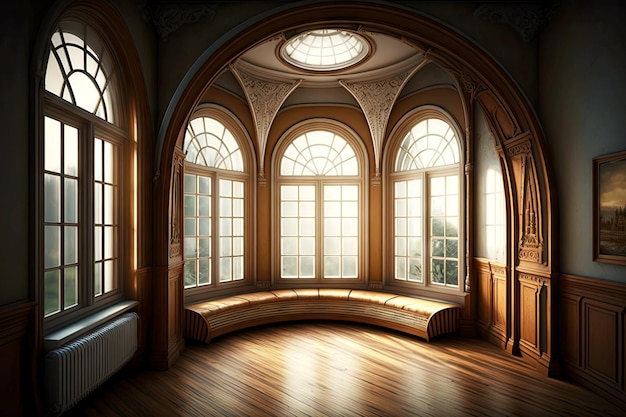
(89, 128)
(234, 125)
(361, 180)
(397, 136)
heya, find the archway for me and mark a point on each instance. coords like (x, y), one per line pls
(530, 317)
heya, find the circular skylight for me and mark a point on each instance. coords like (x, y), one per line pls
(325, 50)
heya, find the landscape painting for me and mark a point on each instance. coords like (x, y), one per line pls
(610, 208)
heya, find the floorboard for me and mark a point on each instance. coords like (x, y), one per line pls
(341, 369)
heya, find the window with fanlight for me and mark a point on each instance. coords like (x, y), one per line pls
(216, 199)
(426, 221)
(84, 159)
(319, 201)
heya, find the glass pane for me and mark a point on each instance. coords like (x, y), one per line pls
(289, 209)
(452, 248)
(226, 189)
(98, 210)
(97, 160)
(307, 246)
(307, 209)
(109, 276)
(438, 247)
(226, 246)
(97, 278)
(70, 245)
(400, 246)
(204, 248)
(226, 207)
(190, 274)
(70, 156)
(332, 227)
(226, 227)
(52, 246)
(307, 267)
(437, 271)
(237, 268)
(350, 246)
(97, 243)
(415, 246)
(52, 198)
(452, 227)
(52, 292)
(204, 206)
(289, 246)
(190, 248)
(438, 186)
(204, 271)
(289, 267)
(437, 227)
(349, 227)
(452, 204)
(70, 213)
(190, 205)
(190, 226)
(238, 208)
(400, 189)
(332, 192)
(237, 246)
(108, 163)
(225, 270)
(289, 227)
(108, 204)
(289, 192)
(349, 267)
(307, 227)
(452, 272)
(415, 270)
(204, 185)
(331, 266)
(400, 270)
(108, 242)
(52, 145)
(70, 289)
(400, 227)
(307, 192)
(332, 246)
(204, 227)
(190, 184)
(237, 189)
(437, 206)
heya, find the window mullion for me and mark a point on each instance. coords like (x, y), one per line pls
(215, 221)
(86, 209)
(319, 230)
(426, 232)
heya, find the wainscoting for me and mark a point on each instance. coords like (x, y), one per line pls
(592, 334)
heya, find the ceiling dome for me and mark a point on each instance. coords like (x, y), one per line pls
(325, 50)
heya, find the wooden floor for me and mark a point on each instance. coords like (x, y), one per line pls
(341, 369)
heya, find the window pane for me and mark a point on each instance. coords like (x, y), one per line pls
(331, 266)
(415, 269)
(52, 292)
(289, 267)
(52, 198)
(52, 246)
(307, 267)
(190, 183)
(97, 278)
(52, 145)
(70, 245)
(225, 269)
(190, 273)
(109, 276)
(204, 271)
(70, 282)
(190, 226)
(70, 152)
(289, 246)
(70, 202)
(349, 267)
(437, 271)
(307, 246)
(332, 246)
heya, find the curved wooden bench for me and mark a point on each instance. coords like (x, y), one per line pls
(418, 316)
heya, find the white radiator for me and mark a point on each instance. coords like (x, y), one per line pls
(77, 368)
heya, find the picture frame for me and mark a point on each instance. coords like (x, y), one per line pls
(609, 208)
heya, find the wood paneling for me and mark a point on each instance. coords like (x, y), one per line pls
(492, 301)
(335, 369)
(16, 385)
(592, 334)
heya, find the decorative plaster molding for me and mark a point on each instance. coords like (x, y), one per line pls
(525, 19)
(167, 16)
(265, 98)
(376, 100)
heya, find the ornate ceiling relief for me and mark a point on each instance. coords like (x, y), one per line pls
(167, 16)
(265, 98)
(525, 19)
(376, 100)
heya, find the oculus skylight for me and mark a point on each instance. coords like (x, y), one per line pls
(325, 50)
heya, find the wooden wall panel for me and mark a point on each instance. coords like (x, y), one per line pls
(16, 386)
(593, 335)
(492, 301)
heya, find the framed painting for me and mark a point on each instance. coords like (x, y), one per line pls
(609, 208)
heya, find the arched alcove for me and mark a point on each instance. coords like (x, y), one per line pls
(529, 270)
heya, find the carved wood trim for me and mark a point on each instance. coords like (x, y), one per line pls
(265, 98)
(176, 206)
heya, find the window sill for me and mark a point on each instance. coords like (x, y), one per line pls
(60, 337)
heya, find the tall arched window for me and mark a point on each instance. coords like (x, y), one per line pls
(84, 161)
(319, 206)
(425, 187)
(216, 197)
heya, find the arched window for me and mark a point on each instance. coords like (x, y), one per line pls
(320, 206)
(426, 221)
(216, 197)
(84, 161)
